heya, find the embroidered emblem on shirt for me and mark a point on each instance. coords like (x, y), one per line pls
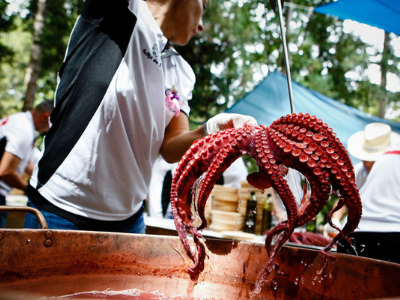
(172, 101)
(3, 121)
(154, 54)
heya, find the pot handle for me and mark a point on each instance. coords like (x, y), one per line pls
(26, 209)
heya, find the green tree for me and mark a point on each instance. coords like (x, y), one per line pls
(242, 39)
(33, 68)
(58, 23)
(225, 57)
(6, 25)
(12, 71)
(6, 52)
(326, 55)
(240, 44)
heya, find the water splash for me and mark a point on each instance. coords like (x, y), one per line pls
(195, 195)
(130, 294)
(296, 281)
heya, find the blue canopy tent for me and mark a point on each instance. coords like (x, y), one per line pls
(384, 14)
(270, 100)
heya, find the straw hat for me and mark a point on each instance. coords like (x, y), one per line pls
(371, 142)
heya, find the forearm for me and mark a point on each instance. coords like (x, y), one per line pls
(14, 180)
(340, 213)
(178, 143)
(279, 214)
(8, 171)
(29, 168)
(178, 138)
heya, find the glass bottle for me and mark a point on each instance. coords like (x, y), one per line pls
(267, 214)
(251, 214)
(311, 226)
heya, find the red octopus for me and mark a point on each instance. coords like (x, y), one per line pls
(298, 141)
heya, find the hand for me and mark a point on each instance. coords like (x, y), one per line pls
(224, 121)
(329, 231)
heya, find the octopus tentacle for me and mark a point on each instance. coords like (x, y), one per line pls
(301, 151)
(298, 141)
(343, 179)
(222, 160)
(269, 167)
(192, 165)
(339, 205)
(354, 212)
(274, 232)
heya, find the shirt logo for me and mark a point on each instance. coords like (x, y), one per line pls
(172, 100)
(153, 54)
(3, 121)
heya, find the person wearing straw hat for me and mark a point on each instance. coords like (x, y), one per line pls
(370, 143)
(378, 235)
(366, 145)
(379, 229)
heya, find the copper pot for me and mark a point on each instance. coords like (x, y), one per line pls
(45, 262)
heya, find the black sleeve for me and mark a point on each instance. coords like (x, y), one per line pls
(96, 48)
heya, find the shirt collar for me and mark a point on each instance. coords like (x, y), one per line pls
(153, 24)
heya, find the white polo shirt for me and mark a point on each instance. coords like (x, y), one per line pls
(20, 133)
(380, 195)
(106, 172)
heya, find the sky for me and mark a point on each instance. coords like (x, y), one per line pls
(375, 36)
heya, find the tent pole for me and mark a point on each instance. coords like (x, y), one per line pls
(285, 52)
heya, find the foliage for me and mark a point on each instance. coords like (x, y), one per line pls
(6, 55)
(240, 44)
(60, 18)
(12, 73)
(225, 56)
(6, 25)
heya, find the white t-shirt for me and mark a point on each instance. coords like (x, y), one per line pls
(178, 75)
(233, 175)
(361, 174)
(154, 200)
(106, 172)
(20, 132)
(294, 179)
(380, 194)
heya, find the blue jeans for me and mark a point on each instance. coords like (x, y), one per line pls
(3, 216)
(56, 222)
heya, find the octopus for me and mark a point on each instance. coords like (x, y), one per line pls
(309, 238)
(297, 141)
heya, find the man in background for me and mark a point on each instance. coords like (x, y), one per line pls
(18, 133)
(367, 146)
